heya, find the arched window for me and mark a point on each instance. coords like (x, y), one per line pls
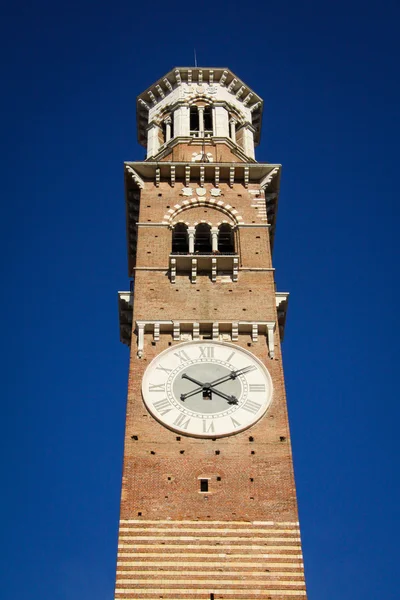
(208, 127)
(194, 121)
(202, 241)
(225, 238)
(180, 238)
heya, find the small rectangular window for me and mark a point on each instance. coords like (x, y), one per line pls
(204, 485)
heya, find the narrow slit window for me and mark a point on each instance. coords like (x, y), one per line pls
(204, 485)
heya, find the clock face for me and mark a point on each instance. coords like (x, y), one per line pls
(207, 389)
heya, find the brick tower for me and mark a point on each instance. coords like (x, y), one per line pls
(208, 507)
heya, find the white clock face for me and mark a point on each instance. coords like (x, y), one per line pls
(207, 389)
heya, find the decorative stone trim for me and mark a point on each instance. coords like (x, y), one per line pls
(215, 330)
(138, 180)
(172, 175)
(247, 99)
(202, 171)
(264, 183)
(176, 332)
(178, 77)
(213, 270)
(235, 269)
(271, 339)
(152, 98)
(169, 218)
(157, 177)
(223, 77)
(174, 327)
(231, 176)
(235, 331)
(216, 177)
(194, 270)
(196, 331)
(160, 91)
(168, 84)
(140, 340)
(246, 177)
(173, 270)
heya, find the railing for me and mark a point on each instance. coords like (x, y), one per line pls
(196, 133)
(198, 253)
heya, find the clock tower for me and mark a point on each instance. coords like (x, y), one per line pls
(208, 506)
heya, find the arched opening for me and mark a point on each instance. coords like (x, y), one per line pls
(225, 239)
(180, 238)
(202, 241)
(208, 127)
(194, 121)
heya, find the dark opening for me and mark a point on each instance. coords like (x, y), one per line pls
(194, 119)
(211, 596)
(204, 485)
(208, 128)
(180, 241)
(202, 242)
(225, 238)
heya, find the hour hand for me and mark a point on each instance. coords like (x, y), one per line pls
(184, 376)
(192, 393)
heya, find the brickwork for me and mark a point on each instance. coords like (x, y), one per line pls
(240, 539)
(220, 152)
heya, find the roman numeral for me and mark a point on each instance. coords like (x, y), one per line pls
(257, 387)
(251, 406)
(162, 406)
(180, 421)
(235, 423)
(161, 368)
(210, 428)
(206, 352)
(156, 387)
(232, 354)
(182, 356)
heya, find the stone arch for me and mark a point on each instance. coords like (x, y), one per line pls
(227, 209)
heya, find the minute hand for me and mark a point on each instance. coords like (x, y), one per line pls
(232, 375)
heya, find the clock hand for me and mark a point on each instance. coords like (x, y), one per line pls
(193, 392)
(206, 386)
(231, 399)
(184, 376)
(232, 375)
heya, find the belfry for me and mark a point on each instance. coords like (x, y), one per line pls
(208, 505)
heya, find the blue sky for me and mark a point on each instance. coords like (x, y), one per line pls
(328, 73)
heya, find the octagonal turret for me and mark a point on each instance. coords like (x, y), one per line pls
(199, 114)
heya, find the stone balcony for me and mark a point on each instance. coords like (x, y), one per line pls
(209, 263)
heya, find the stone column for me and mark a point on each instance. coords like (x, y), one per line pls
(181, 121)
(153, 139)
(221, 122)
(214, 239)
(248, 140)
(201, 121)
(232, 123)
(167, 122)
(191, 232)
